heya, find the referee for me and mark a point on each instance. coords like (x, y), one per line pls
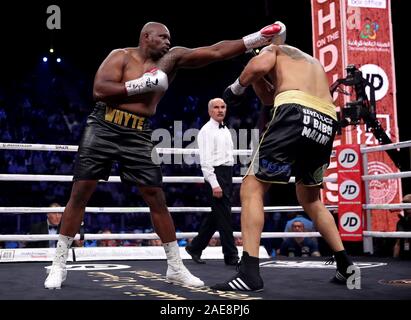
(216, 158)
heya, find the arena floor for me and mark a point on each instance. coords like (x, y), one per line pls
(287, 279)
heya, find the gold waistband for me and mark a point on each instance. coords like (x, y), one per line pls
(306, 100)
(124, 118)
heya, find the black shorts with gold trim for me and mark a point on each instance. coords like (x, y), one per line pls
(115, 135)
(298, 140)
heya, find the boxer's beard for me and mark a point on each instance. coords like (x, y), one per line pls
(156, 54)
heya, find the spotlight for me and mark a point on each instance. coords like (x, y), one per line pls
(45, 59)
(58, 60)
(51, 50)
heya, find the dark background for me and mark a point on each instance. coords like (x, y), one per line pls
(91, 29)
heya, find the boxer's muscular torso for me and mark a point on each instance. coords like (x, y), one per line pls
(133, 67)
(296, 70)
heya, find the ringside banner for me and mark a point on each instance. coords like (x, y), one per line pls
(359, 32)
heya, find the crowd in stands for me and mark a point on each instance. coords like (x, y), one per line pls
(51, 107)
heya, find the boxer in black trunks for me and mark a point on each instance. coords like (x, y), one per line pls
(299, 136)
(127, 87)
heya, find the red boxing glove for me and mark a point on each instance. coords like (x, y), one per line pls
(271, 30)
(273, 33)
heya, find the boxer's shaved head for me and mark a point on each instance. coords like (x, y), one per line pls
(153, 27)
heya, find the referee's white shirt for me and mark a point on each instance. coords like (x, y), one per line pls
(216, 149)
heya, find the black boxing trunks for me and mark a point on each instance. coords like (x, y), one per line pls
(298, 139)
(116, 135)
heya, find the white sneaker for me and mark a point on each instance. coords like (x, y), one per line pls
(56, 277)
(179, 274)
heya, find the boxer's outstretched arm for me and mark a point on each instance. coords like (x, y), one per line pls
(107, 82)
(198, 57)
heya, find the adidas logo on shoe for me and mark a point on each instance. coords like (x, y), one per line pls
(241, 282)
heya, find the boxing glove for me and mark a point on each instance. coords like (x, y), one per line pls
(233, 95)
(280, 37)
(151, 81)
(274, 32)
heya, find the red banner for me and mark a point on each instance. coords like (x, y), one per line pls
(359, 32)
(350, 192)
(328, 48)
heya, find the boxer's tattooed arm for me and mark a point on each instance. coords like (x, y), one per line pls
(202, 56)
(297, 54)
(168, 64)
(174, 59)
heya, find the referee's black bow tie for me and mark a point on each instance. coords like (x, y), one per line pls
(221, 125)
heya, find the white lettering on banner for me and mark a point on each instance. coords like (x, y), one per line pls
(327, 39)
(332, 193)
(369, 43)
(379, 4)
(368, 50)
(327, 44)
(321, 43)
(331, 49)
(369, 136)
(323, 18)
(378, 79)
(381, 191)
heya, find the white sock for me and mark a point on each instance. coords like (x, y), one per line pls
(62, 247)
(172, 251)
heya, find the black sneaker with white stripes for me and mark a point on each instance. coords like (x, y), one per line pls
(241, 282)
(343, 262)
(247, 279)
(339, 278)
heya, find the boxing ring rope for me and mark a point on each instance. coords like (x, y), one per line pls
(367, 242)
(184, 235)
(19, 210)
(146, 236)
(188, 179)
(71, 148)
(181, 179)
(384, 147)
(66, 178)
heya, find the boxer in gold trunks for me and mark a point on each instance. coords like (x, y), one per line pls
(299, 137)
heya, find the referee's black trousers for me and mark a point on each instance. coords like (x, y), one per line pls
(219, 219)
